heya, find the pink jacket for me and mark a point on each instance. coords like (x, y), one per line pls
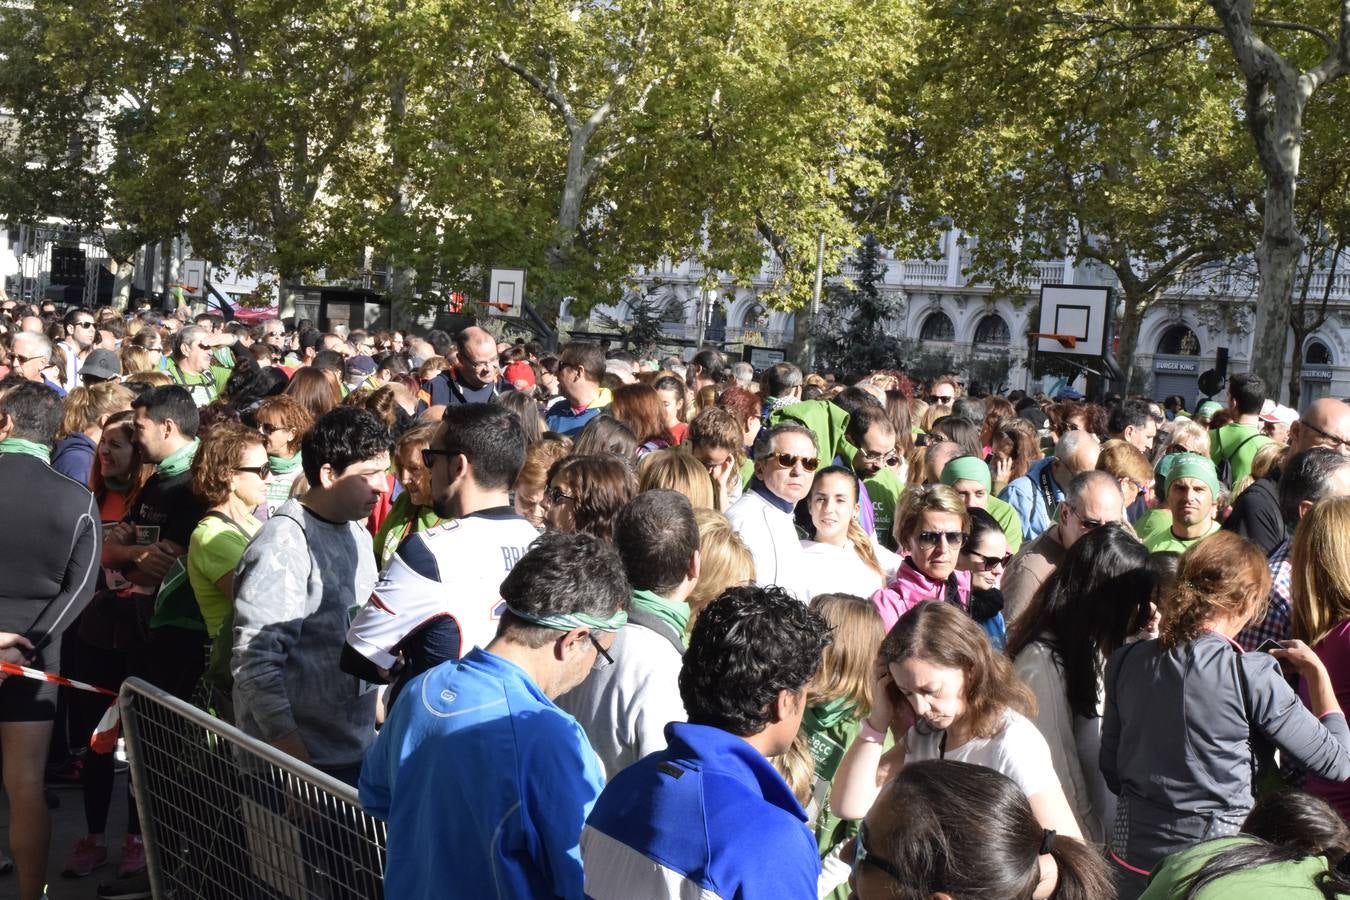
(910, 588)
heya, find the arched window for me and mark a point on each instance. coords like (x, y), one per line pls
(754, 317)
(1179, 341)
(992, 330)
(937, 327)
(1317, 354)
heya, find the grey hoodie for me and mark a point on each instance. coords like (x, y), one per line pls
(297, 587)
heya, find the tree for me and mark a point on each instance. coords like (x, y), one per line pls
(854, 337)
(644, 327)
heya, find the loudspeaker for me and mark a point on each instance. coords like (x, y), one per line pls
(1221, 362)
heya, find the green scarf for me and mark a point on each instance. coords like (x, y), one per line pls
(179, 461)
(26, 448)
(403, 520)
(674, 614)
(826, 715)
(568, 621)
(282, 465)
(117, 485)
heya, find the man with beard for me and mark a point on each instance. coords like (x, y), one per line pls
(414, 619)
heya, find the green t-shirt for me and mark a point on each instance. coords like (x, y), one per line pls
(1155, 521)
(884, 489)
(1286, 880)
(1165, 541)
(1238, 444)
(213, 552)
(1007, 519)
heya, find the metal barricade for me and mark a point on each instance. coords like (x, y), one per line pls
(227, 816)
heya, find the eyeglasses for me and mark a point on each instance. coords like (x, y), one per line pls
(990, 563)
(1336, 442)
(88, 324)
(25, 360)
(261, 471)
(270, 430)
(940, 400)
(556, 494)
(863, 855)
(1088, 524)
(931, 538)
(429, 455)
(787, 461)
(602, 657)
(881, 456)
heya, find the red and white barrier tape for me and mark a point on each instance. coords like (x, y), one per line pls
(104, 738)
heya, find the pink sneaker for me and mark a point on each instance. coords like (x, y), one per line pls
(85, 858)
(133, 856)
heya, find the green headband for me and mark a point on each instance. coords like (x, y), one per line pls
(568, 621)
(1193, 465)
(966, 468)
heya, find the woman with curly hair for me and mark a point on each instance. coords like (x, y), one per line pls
(585, 493)
(1189, 716)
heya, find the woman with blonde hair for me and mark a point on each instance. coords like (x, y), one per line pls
(86, 411)
(1320, 599)
(724, 560)
(840, 555)
(137, 361)
(1267, 458)
(532, 482)
(943, 691)
(930, 527)
(677, 471)
(1187, 715)
(1130, 468)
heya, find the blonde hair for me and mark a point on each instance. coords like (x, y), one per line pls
(1320, 593)
(724, 560)
(678, 471)
(1121, 459)
(154, 379)
(798, 768)
(136, 360)
(1195, 435)
(846, 665)
(539, 458)
(916, 501)
(86, 405)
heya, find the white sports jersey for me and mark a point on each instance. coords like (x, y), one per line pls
(453, 570)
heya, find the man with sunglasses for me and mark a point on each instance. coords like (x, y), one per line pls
(1256, 513)
(484, 781)
(709, 816)
(81, 333)
(190, 365)
(1092, 499)
(438, 596)
(877, 463)
(785, 458)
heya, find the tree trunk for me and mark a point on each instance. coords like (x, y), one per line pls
(1130, 323)
(124, 270)
(1277, 257)
(574, 192)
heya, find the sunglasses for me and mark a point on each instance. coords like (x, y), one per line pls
(863, 855)
(261, 471)
(429, 455)
(787, 461)
(931, 538)
(1336, 442)
(205, 347)
(24, 360)
(556, 495)
(1088, 524)
(990, 563)
(602, 657)
(84, 324)
(881, 456)
(271, 429)
(941, 401)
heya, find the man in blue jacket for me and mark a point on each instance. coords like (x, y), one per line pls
(709, 815)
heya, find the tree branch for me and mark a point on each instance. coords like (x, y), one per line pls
(549, 90)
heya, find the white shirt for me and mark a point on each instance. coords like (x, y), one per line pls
(454, 569)
(1018, 751)
(840, 570)
(771, 536)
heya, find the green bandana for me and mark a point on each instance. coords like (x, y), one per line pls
(26, 448)
(179, 461)
(674, 614)
(568, 621)
(1193, 465)
(826, 715)
(966, 468)
(282, 465)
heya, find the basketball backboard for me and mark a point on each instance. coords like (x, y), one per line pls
(506, 290)
(1080, 311)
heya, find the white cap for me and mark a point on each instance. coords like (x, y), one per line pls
(1277, 413)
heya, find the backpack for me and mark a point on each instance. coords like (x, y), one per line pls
(1225, 466)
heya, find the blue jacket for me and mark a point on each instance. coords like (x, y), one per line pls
(485, 785)
(74, 456)
(561, 418)
(707, 814)
(1024, 495)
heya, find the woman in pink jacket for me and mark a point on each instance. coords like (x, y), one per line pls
(930, 527)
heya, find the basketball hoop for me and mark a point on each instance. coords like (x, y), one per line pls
(500, 307)
(1067, 341)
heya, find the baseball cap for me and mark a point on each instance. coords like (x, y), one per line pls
(102, 364)
(519, 375)
(1275, 412)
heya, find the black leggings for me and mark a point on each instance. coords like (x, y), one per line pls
(103, 668)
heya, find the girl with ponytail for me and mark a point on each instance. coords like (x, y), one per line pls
(953, 830)
(842, 558)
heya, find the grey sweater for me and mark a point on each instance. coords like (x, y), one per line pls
(297, 586)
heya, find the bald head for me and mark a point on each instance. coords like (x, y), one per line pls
(1077, 452)
(32, 324)
(1325, 423)
(936, 459)
(476, 365)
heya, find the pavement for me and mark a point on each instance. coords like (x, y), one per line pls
(68, 827)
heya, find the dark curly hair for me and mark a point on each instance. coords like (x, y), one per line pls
(343, 436)
(747, 646)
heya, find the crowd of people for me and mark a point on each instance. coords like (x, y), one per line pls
(589, 623)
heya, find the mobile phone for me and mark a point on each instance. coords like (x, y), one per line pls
(1270, 644)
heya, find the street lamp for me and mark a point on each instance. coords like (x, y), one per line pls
(707, 300)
